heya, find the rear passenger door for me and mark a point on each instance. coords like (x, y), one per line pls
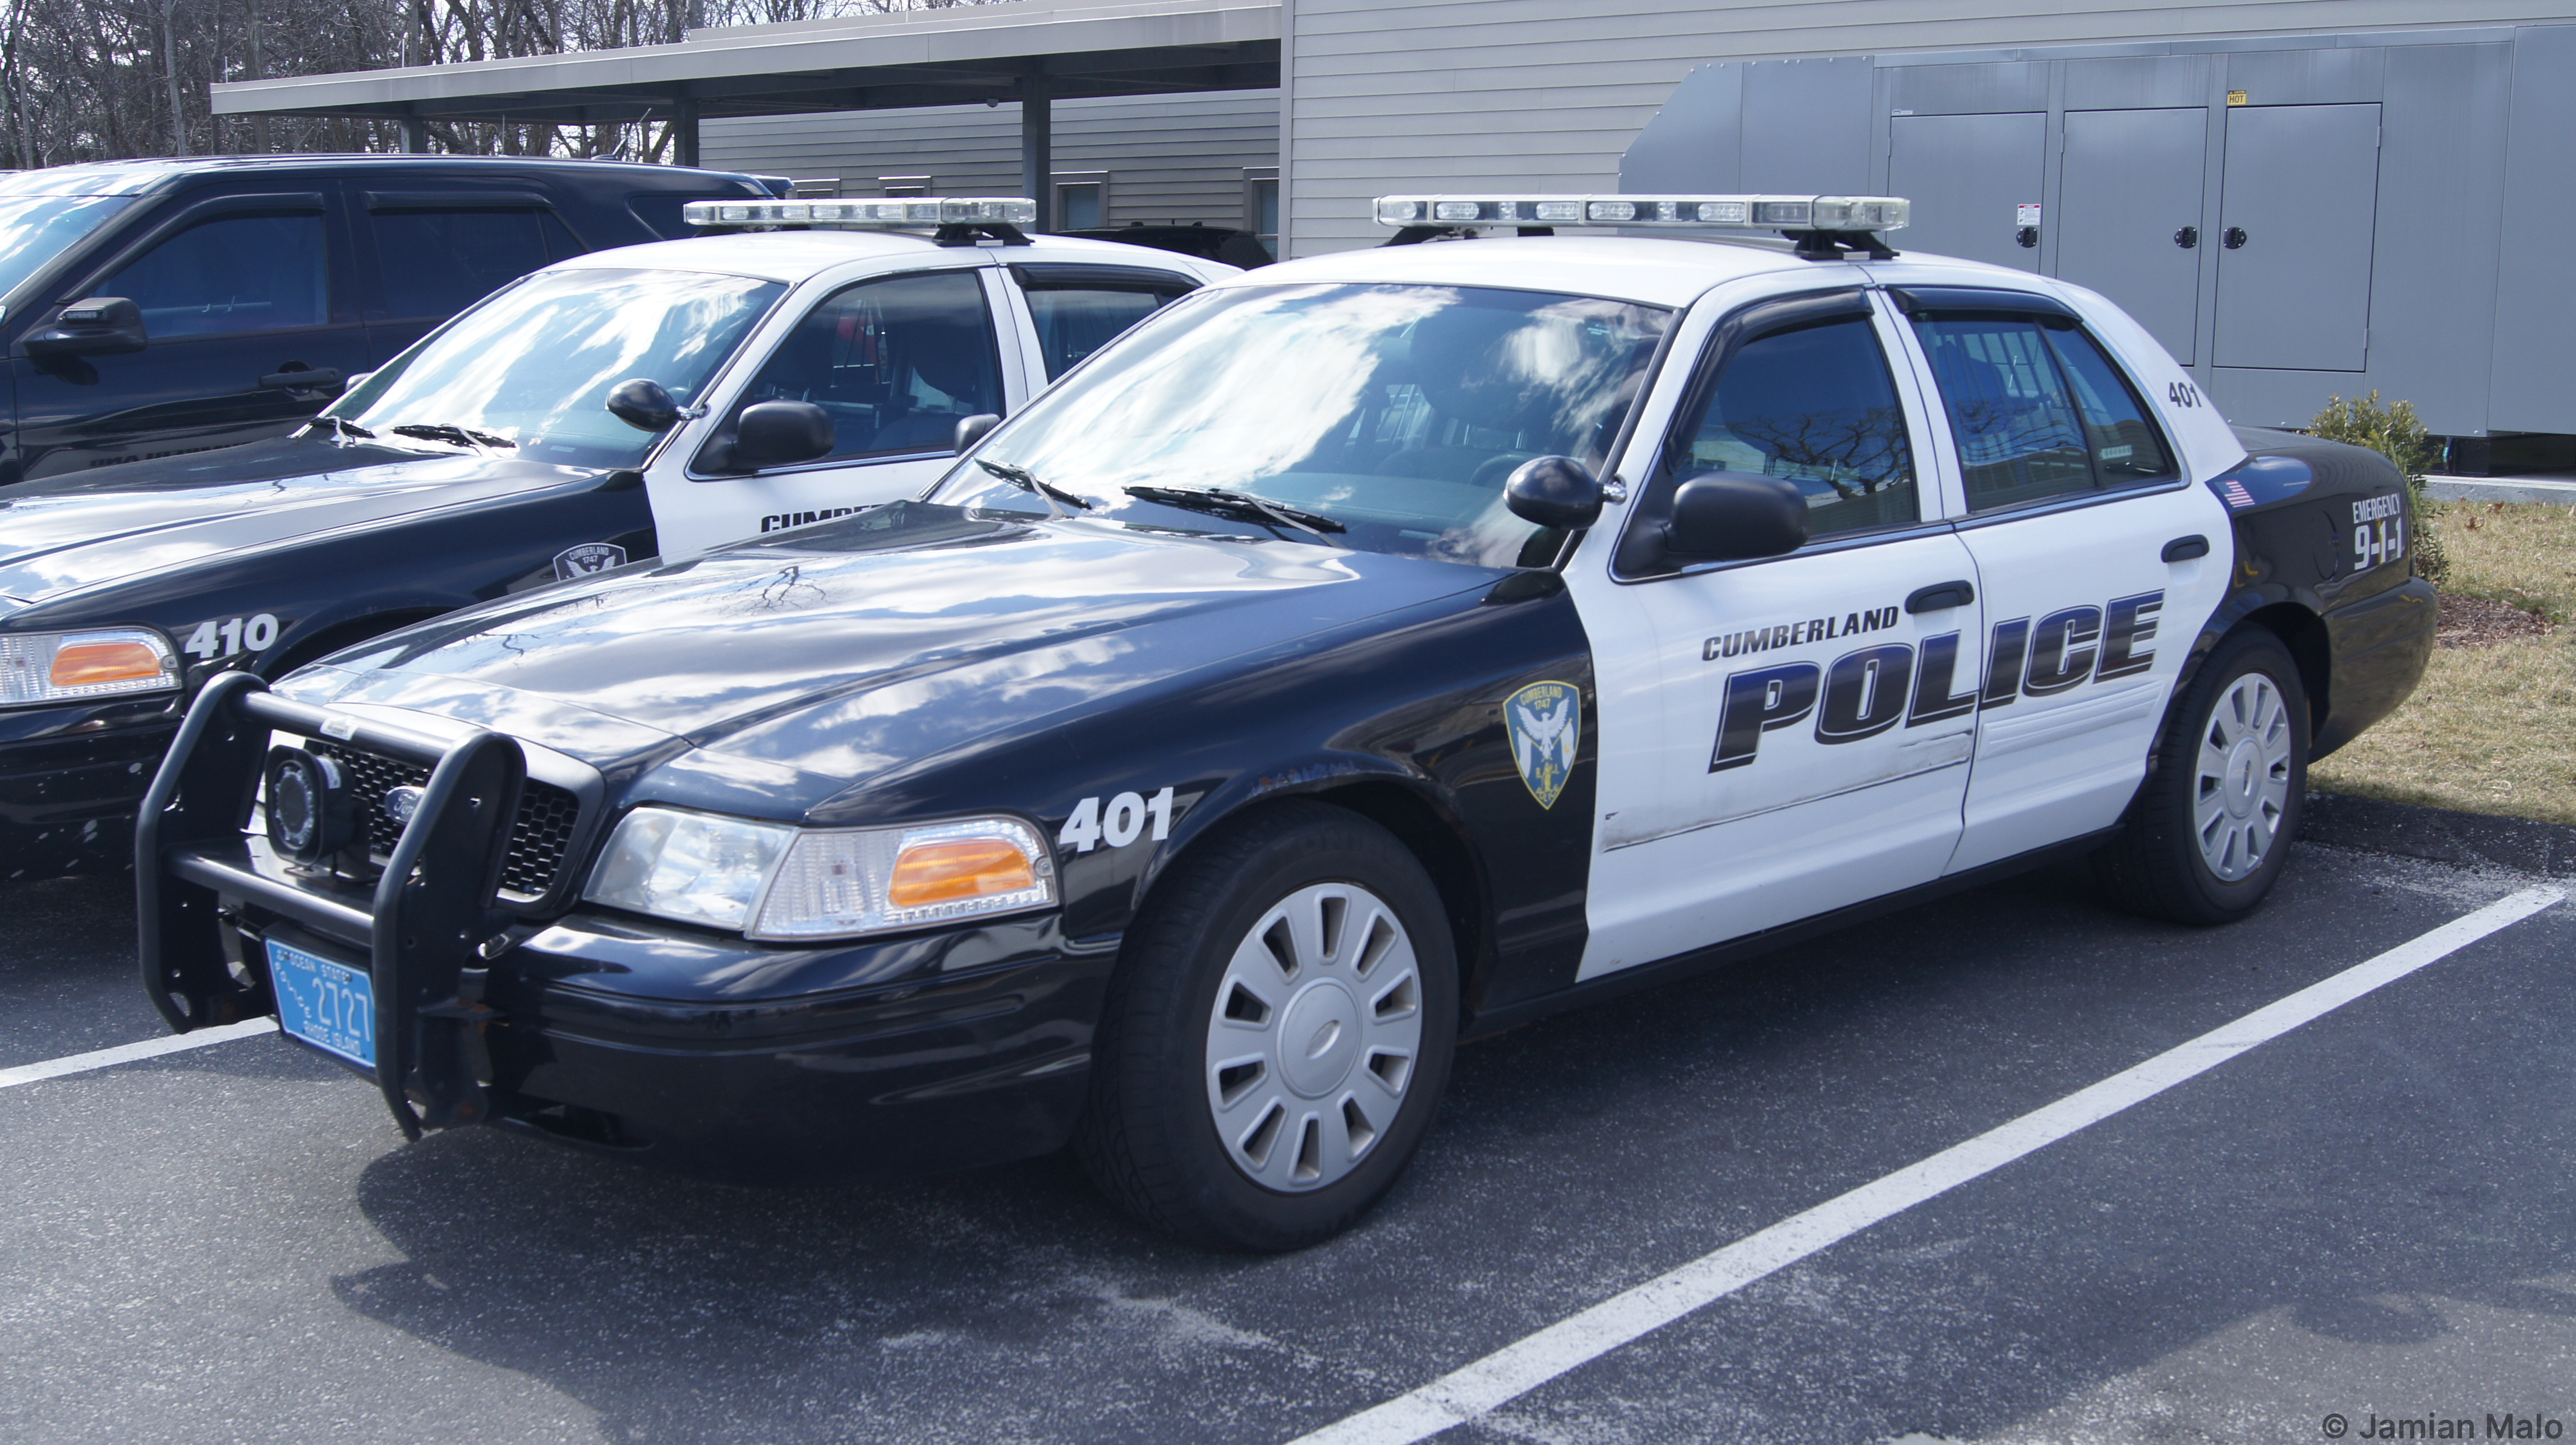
(1071, 311)
(894, 361)
(432, 252)
(251, 312)
(2097, 559)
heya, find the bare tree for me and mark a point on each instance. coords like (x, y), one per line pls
(84, 80)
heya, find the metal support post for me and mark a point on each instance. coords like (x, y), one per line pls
(1037, 144)
(684, 130)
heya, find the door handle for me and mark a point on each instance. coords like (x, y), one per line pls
(2233, 238)
(2183, 549)
(300, 379)
(1940, 596)
(2188, 237)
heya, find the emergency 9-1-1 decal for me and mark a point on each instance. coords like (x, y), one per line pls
(1546, 724)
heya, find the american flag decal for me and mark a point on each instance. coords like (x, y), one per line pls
(2237, 496)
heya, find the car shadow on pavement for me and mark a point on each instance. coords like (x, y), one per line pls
(1575, 1157)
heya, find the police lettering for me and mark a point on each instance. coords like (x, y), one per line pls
(1793, 634)
(1867, 691)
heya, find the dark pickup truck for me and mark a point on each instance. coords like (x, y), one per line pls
(157, 307)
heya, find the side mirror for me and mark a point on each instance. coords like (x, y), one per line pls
(1554, 492)
(781, 434)
(98, 326)
(1732, 516)
(644, 404)
(973, 429)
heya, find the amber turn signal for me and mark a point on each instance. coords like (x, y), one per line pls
(945, 872)
(86, 664)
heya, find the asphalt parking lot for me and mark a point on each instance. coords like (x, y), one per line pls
(2370, 1217)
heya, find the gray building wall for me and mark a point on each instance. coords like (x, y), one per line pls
(1386, 95)
(1168, 158)
(1430, 95)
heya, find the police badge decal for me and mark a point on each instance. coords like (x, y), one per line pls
(1546, 722)
(587, 558)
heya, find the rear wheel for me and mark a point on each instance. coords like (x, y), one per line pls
(1278, 1036)
(2211, 828)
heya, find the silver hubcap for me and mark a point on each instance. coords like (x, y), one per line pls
(2243, 784)
(1312, 1042)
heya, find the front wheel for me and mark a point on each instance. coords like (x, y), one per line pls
(1278, 1035)
(2212, 826)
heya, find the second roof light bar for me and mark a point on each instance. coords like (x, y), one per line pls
(954, 220)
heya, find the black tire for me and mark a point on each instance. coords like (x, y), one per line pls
(1150, 1137)
(2159, 865)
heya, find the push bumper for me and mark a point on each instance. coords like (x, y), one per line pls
(928, 1052)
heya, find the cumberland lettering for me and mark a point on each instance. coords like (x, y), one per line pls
(1792, 634)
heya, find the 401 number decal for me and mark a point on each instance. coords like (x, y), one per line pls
(2183, 393)
(224, 636)
(1122, 823)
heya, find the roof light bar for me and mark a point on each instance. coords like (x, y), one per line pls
(908, 213)
(1750, 213)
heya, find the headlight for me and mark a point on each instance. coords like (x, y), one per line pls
(65, 666)
(775, 882)
(694, 867)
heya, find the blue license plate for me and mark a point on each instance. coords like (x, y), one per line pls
(328, 1005)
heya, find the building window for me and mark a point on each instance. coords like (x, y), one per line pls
(1081, 200)
(1261, 205)
(816, 188)
(903, 185)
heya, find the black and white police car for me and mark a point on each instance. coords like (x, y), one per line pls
(1368, 652)
(650, 400)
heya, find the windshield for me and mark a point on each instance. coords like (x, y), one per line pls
(532, 365)
(36, 230)
(1395, 411)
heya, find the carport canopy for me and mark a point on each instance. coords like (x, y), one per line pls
(1029, 52)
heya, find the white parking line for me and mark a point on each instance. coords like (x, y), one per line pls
(1524, 1365)
(128, 1053)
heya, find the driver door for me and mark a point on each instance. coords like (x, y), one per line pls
(1782, 736)
(895, 362)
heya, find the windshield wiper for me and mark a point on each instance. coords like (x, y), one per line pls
(342, 426)
(1240, 507)
(1021, 477)
(452, 435)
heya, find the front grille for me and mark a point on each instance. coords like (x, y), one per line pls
(540, 835)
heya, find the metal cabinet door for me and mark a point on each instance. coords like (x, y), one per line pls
(2128, 199)
(1968, 176)
(2301, 194)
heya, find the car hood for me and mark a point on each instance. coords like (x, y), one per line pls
(118, 522)
(840, 652)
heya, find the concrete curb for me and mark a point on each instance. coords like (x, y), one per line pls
(2439, 834)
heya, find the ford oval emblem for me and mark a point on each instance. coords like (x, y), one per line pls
(401, 803)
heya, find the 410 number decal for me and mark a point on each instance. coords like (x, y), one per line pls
(222, 637)
(1123, 822)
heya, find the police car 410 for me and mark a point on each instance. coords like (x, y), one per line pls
(1364, 653)
(653, 400)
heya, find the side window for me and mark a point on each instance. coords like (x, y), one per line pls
(1814, 404)
(1074, 322)
(234, 273)
(437, 263)
(895, 363)
(2038, 412)
(2127, 448)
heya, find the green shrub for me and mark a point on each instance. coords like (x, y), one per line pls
(2395, 432)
